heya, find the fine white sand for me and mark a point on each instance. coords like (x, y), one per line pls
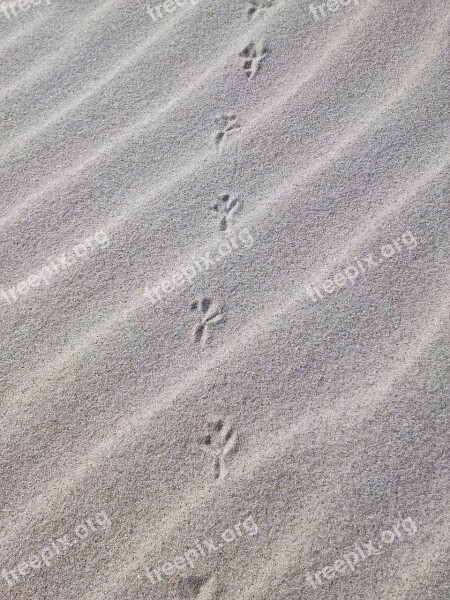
(236, 436)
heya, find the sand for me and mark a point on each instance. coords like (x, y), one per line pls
(224, 300)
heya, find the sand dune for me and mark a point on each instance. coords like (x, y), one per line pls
(224, 300)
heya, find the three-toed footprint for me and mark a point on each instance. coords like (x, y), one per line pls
(219, 442)
(198, 588)
(253, 55)
(227, 125)
(226, 207)
(258, 7)
(209, 316)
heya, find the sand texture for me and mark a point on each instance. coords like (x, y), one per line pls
(224, 298)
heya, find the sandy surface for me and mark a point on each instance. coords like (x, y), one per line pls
(224, 300)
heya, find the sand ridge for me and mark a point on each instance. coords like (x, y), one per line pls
(234, 439)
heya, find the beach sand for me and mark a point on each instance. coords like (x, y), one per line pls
(224, 300)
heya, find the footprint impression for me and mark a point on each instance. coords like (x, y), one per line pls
(219, 443)
(258, 7)
(253, 56)
(225, 208)
(199, 588)
(227, 125)
(209, 317)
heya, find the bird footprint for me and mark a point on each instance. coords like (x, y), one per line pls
(227, 124)
(258, 7)
(199, 588)
(210, 316)
(220, 442)
(226, 207)
(253, 56)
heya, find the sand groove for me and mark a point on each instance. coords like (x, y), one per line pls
(322, 135)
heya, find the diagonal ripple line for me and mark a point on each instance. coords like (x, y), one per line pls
(70, 43)
(10, 42)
